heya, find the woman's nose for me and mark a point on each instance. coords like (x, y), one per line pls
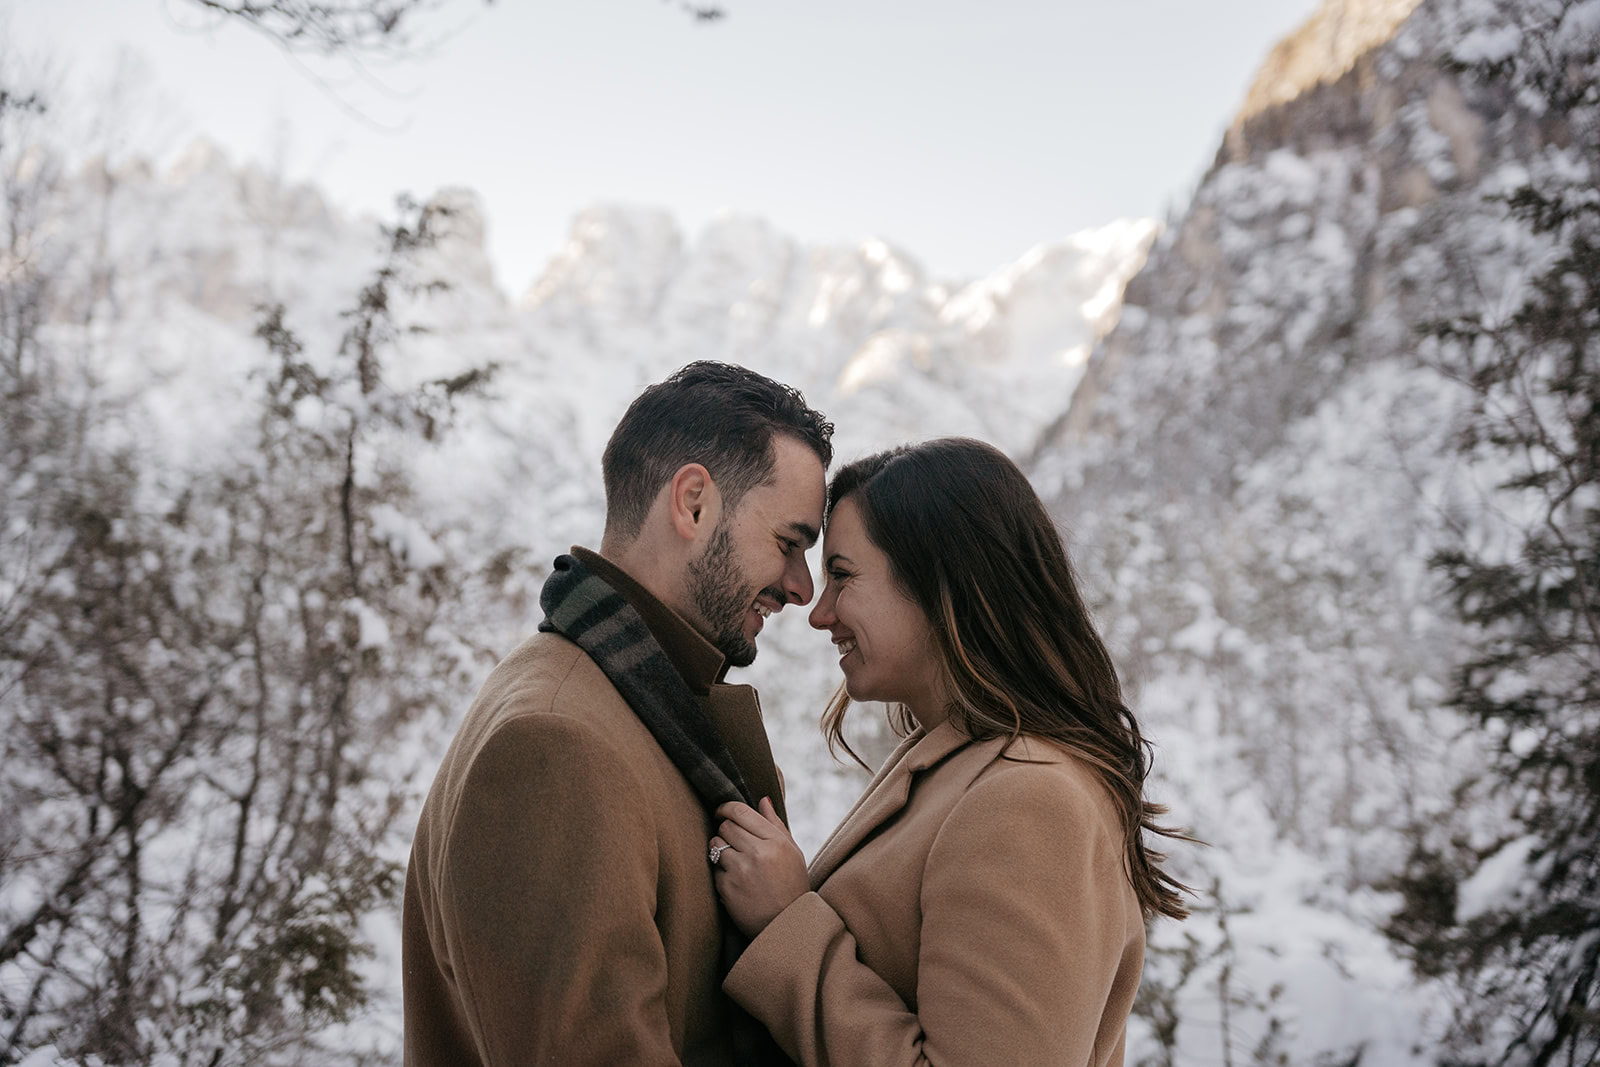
(822, 615)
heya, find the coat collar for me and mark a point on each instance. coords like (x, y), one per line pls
(695, 658)
(886, 794)
(734, 710)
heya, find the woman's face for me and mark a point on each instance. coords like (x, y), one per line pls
(884, 642)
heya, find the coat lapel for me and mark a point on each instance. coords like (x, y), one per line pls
(735, 711)
(885, 795)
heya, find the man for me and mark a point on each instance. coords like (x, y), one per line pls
(559, 905)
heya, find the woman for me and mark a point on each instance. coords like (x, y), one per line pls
(985, 900)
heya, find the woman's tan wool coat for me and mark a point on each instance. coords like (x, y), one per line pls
(969, 910)
(558, 904)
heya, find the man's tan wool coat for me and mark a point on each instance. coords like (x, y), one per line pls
(969, 910)
(559, 907)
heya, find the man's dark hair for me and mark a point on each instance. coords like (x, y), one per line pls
(718, 415)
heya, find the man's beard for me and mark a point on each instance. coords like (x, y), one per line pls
(720, 594)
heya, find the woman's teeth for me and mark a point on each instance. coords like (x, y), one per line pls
(846, 646)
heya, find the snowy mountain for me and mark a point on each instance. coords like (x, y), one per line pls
(1256, 468)
(862, 330)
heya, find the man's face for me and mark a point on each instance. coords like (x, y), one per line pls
(755, 562)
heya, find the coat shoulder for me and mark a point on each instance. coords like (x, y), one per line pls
(546, 675)
(1044, 776)
(546, 696)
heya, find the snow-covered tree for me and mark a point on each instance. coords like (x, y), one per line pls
(1511, 916)
(207, 679)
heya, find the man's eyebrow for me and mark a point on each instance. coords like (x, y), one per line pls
(804, 532)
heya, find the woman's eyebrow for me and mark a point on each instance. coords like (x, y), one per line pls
(836, 557)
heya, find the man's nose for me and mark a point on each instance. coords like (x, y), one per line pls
(797, 583)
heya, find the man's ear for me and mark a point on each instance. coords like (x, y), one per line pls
(693, 503)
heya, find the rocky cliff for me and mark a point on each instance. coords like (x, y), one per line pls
(1256, 469)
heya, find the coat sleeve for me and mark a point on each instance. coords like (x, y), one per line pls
(1022, 933)
(549, 896)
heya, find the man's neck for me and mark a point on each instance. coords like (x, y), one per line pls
(643, 563)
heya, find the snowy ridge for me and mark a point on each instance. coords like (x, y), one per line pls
(840, 323)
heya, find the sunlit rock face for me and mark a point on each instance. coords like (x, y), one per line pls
(1255, 470)
(1323, 49)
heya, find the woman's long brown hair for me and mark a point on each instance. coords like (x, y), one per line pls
(970, 542)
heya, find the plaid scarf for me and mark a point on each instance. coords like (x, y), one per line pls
(584, 608)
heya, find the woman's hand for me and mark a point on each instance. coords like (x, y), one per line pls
(760, 870)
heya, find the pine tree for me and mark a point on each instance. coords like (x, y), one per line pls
(1514, 922)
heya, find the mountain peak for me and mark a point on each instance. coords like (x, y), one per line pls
(617, 256)
(1321, 49)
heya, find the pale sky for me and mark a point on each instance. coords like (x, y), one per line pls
(962, 133)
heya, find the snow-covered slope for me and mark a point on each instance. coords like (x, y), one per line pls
(1256, 469)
